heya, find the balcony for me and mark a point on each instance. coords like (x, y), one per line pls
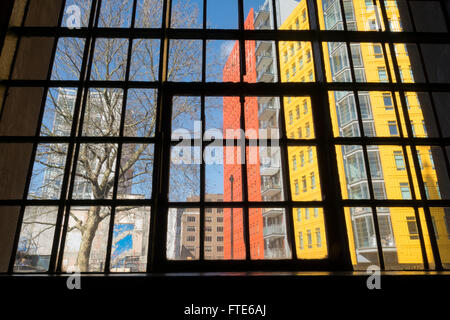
(274, 231)
(264, 61)
(269, 189)
(272, 212)
(276, 253)
(269, 170)
(266, 111)
(262, 18)
(262, 47)
(265, 76)
(269, 133)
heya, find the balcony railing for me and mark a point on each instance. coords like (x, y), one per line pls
(269, 189)
(274, 230)
(277, 253)
(266, 111)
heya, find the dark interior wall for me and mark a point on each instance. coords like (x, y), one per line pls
(6, 7)
(20, 113)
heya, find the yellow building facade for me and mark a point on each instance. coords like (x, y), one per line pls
(398, 226)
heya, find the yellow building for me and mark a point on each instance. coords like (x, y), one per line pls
(398, 227)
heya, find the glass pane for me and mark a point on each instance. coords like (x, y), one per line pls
(130, 239)
(293, 15)
(268, 236)
(299, 118)
(264, 174)
(267, 119)
(87, 239)
(140, 114)
(215, 236)
(361, 237)
(359, 15)
(435, 57)
(136, 171)
(337, 64)
(222, 61)
(183, 234)
(434, 172)
(223, 174)
(423, 123)
(95, 170)
(368, 63)
(68, 59)
(110, 59)
(187, 14)
(58, 114)
(145, 60)
(184, 184)
(149, 13)
(115, 13)
(441, 101)
(304, 174)
(76, 16)
(310, 234)
(441, 220)
(233, 226)
(388, 172)
(259, 14)
(186, 120)
(36, 239)
(222, 14)
(185, 61)
(408, 60)
(352, 172)
(261, 62)
(48, 171)
(297, 63)
(400, 238)
(103, 112)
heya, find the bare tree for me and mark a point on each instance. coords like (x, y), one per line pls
(96, 164)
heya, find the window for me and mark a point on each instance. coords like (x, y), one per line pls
(378, 51)
(307, 130)
(387, 99)
(300, 240)
(430, 153)
(382, 75)
(309, 236)
(399, 161)
(392, 125)
(313, 180)
(306, 213)
(412, 228)
(122, 97)
(318, 238)
(404, 188)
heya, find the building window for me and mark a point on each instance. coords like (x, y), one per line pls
(294, 163)
(299, 132)
(382, 75)
(387, 99)
(299, 214)
(378, 51)
(305, 187)
(412, 228)
(297, 191)
(297, 111)
(313, 180)
(300, 240)
(306, 213)
(316, 212)
(318, 238)
(399, 160)
(310, 155)
(307, 130)
(309, 236)
(190, 238)
(392, 125)
(406, 192)
(208, 239)
(191, 229)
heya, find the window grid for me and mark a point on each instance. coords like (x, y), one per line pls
(166, 90)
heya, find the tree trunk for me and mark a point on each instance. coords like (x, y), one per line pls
(87, 237)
